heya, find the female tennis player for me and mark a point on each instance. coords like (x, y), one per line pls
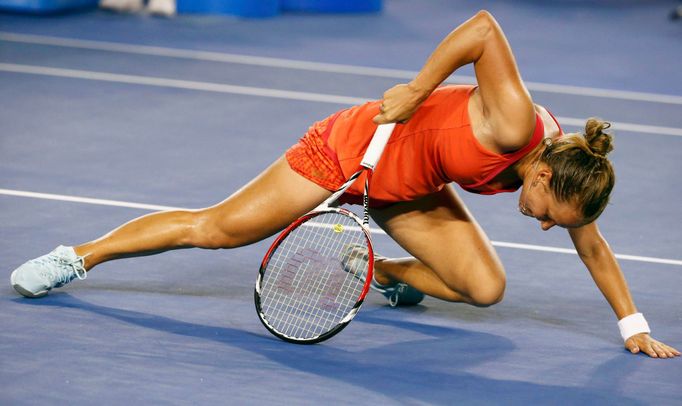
(488, 138)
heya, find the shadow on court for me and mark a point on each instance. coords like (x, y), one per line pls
(430, 370)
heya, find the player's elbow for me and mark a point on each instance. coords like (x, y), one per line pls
(485, 23)
(485, 15)
(593, 250)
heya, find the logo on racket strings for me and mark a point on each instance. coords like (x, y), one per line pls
(311, 277)
(338, 228)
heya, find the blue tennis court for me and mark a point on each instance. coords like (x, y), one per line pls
(107, 117)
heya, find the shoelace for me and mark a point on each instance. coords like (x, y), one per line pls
(56, 274)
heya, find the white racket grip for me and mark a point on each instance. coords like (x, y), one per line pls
(376, 146)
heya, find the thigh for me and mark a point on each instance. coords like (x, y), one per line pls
(440, 231)
(264, 206)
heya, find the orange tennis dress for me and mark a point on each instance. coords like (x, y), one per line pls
(436, 147)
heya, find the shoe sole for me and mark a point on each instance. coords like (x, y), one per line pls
(24, 292)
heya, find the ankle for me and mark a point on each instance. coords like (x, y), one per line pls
(381, 277)
(89, 260)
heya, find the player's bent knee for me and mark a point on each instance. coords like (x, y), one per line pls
(487, 298)
(489, 293)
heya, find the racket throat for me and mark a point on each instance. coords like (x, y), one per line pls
(365, 200)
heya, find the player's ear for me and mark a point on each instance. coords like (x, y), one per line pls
(544, 176)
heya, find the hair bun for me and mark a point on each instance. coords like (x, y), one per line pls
(600, 143)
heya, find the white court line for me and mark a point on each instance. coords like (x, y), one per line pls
(179, 84)
(266, 92)
(621, 126)
(154, 207)
(317, 66)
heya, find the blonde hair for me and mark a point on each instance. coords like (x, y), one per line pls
(581, 173)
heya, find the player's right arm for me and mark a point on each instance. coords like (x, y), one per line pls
(507, 106)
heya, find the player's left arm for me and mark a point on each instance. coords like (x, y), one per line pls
(597, 256)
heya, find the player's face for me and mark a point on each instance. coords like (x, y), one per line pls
(536, 200)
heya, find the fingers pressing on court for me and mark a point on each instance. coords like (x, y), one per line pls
(665, 351)
(650, 346)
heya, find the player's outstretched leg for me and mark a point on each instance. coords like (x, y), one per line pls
(261, 208)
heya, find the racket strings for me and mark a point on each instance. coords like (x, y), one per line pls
(305, 290)
(309, 311)
(311, 282)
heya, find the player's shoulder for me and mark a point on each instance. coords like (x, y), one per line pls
(515, 131)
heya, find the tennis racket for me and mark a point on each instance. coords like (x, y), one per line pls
(316, 274)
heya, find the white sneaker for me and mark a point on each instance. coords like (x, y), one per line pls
(165, 8)
(38, 276)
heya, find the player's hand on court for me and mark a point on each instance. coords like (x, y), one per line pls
(399, 104)
(653, 348)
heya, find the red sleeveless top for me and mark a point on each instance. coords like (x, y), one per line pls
(437, 146)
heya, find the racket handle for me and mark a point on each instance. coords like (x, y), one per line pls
(376, 146)
(369, 160)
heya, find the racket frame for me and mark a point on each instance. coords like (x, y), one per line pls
(356, 307)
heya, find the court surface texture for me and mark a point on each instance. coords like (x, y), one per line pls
(107, 117)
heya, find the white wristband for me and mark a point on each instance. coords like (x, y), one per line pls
(633, 324)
